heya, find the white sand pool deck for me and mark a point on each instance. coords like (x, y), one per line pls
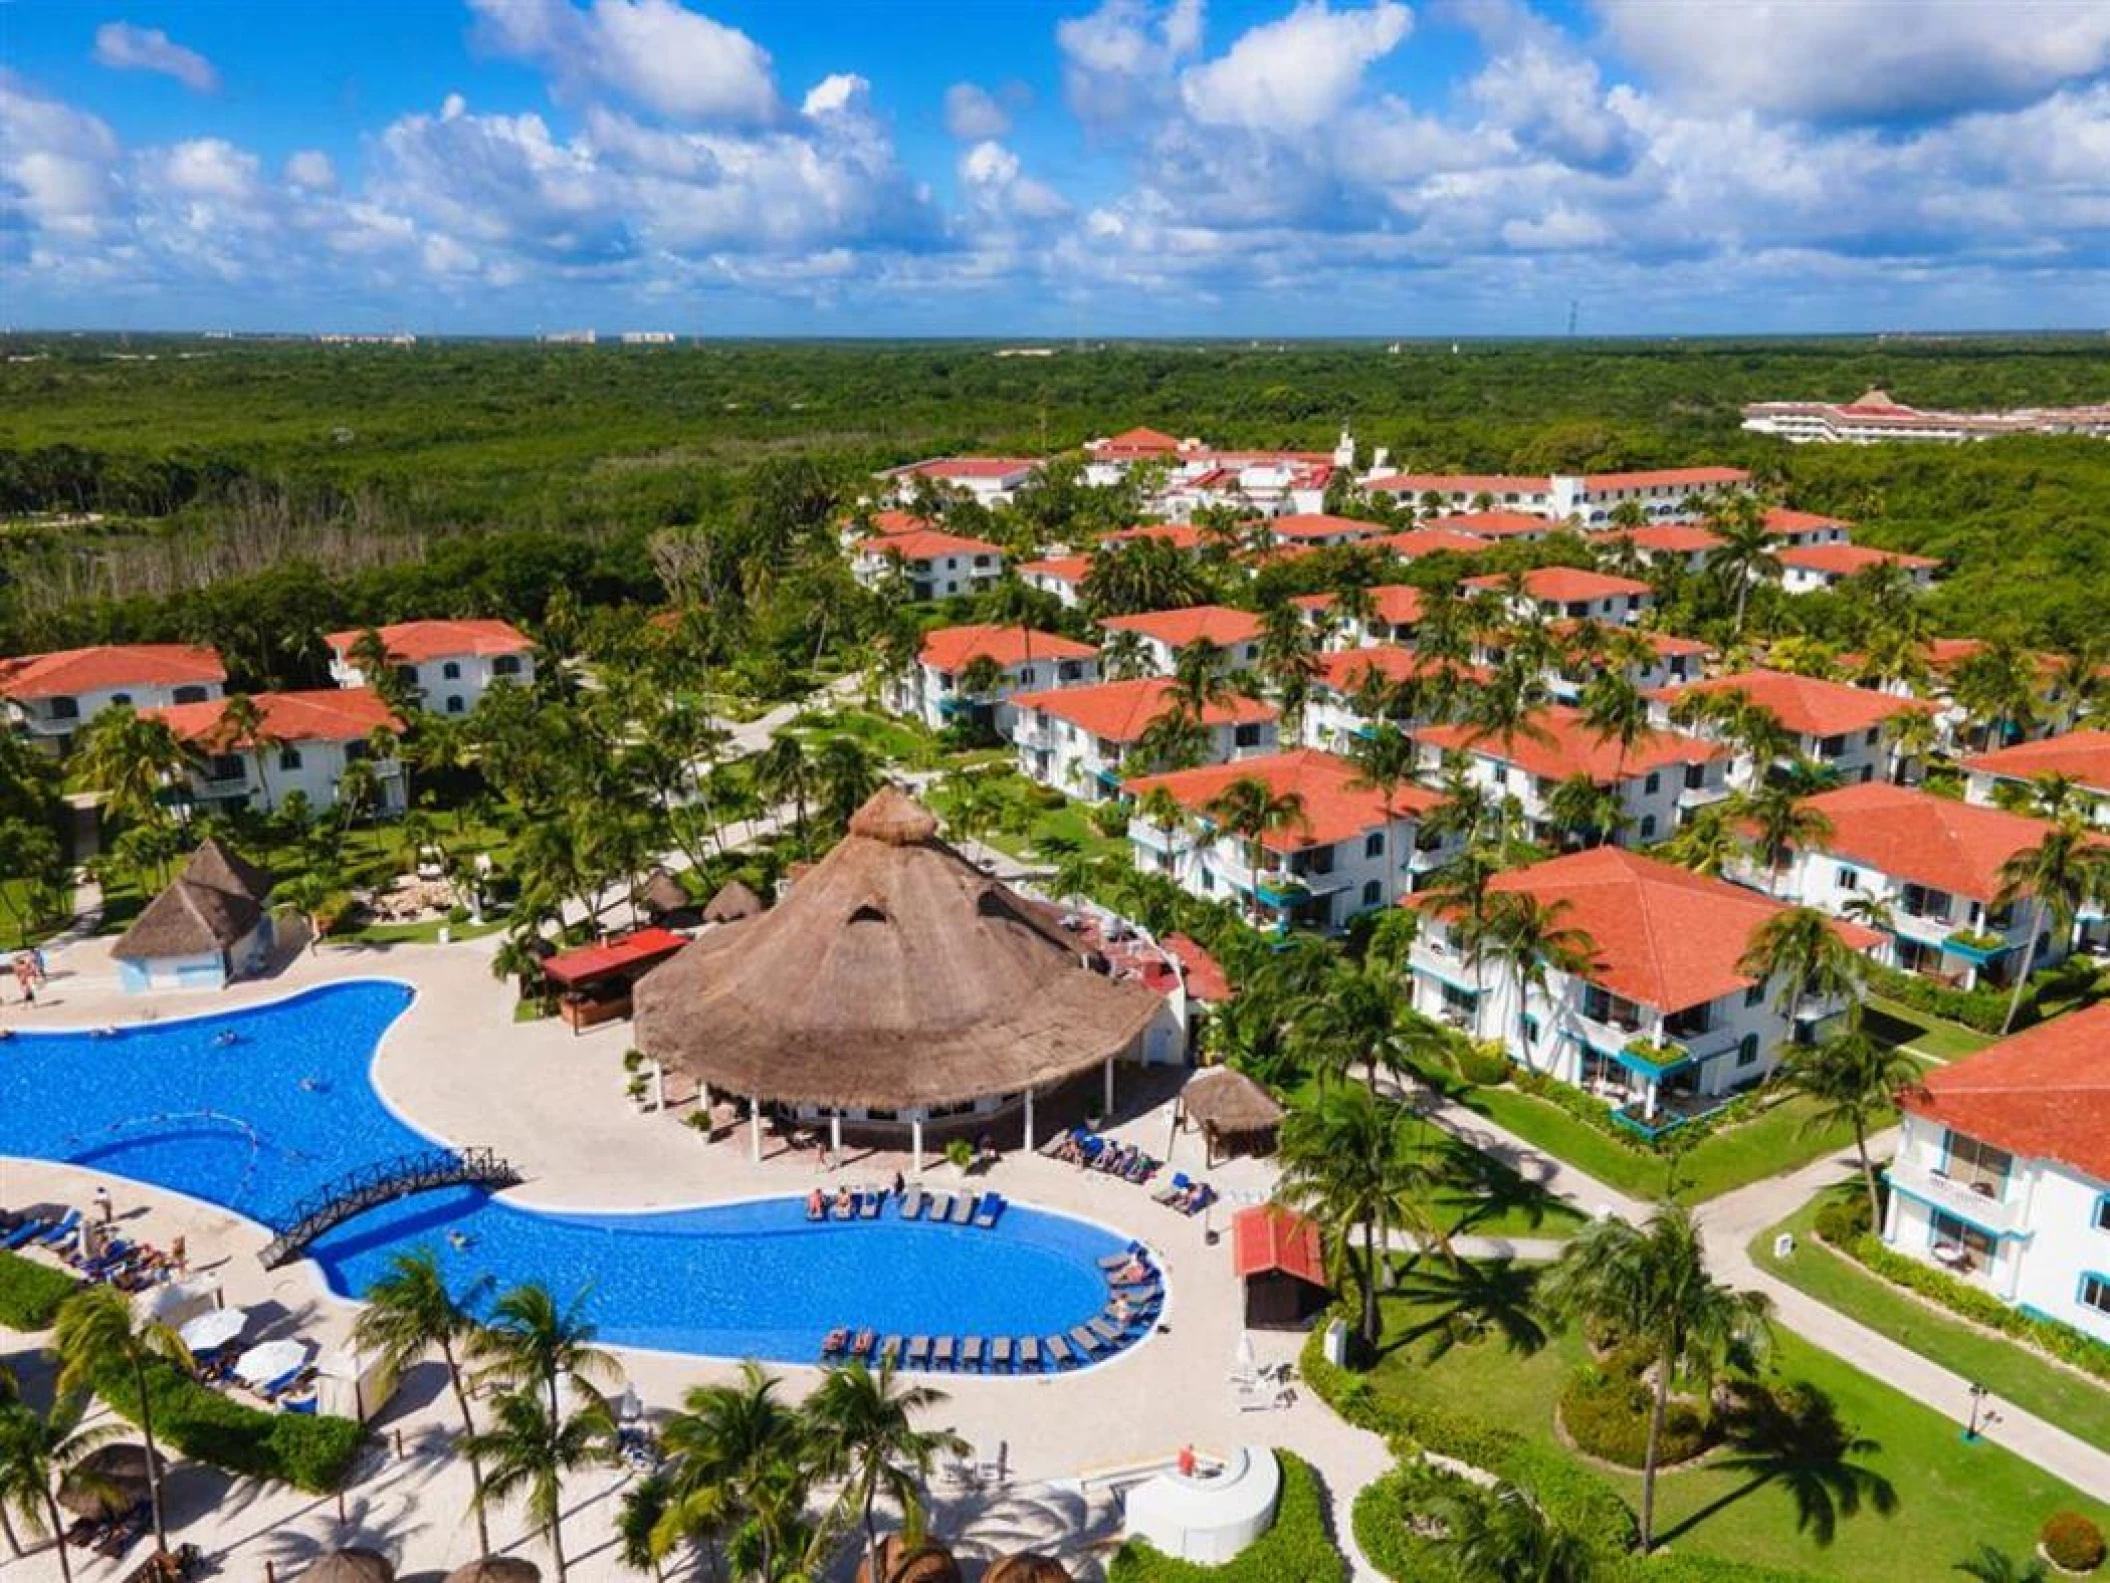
(456, 1066)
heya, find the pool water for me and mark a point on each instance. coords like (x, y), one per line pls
(255, 1109)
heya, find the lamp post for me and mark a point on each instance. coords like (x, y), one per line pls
(1978, 1394)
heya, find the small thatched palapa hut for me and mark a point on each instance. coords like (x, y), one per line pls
(207, 927)
(1026, 1567)
(894, 983)
(496, 1569)
(734, 902)
(929, 1562)
(665, 901)
(1232, 1110)
(351, 1565)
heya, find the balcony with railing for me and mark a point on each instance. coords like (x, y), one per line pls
(1982, 1201)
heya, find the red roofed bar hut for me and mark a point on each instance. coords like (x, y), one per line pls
(1278, 1254)
(594, 982)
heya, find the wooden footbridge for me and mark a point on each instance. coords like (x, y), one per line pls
(384, 1182)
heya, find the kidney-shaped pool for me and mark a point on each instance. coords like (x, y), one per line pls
(257, 1108)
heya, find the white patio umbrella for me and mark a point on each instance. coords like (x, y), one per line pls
(1246, 1357)
(214, 1328)
(264, 1363)
(628, 1409)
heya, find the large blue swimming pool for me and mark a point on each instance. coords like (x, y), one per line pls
(254, 1109)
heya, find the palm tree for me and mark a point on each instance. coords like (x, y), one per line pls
(1250, 809)
(530, 1447)
(1460, 892)
(1781, 821)
(1614, 710)
(2057, 878)
(1289, 657)
(131, 760)
(38, 1454)
(408, 1313)
(1198, 679)
(1852, 1078)
(845, 775)
(1354, 1164)
(1502, 1536)
(1746, 555)
(529, 1343)
(1528, 935)
(1991, 1564)
(1358, 1016)
(1384, 761)
(1124, 655)
(96, 1335)
(980, 677)
(1803, 951)
(244, 727)
(1650, 1284)
(1587, 811)
(863, 1432)
(735, 1455)
(784, 773)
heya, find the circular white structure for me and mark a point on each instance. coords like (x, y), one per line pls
(1208, 1516)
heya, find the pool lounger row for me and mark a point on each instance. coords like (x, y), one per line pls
(967, 1209)
(1108, 1331)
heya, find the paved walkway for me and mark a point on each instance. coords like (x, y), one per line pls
(1727, 1225)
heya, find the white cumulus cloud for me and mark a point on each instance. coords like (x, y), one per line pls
(310, 170)
(655, 53)
(973, 113)
(1294, 73)
(1860, 59)
(1117, 61)
(124, 47)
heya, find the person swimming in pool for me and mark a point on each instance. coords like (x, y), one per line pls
(226, 1036)
(458, 1241)
(311, 1085)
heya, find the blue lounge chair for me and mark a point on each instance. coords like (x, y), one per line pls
(962, 1212)
(912, 1203)
(1000, 1355)
(1172, 1189)
(971, 1353)
(1106, 1330)
(1114, 1261)
(25, 1233)
(60, 1232)
(940, 1207)
(991, 1206)
(941, 1353)
(1029, 1354)
(1202, 1200)
(918, 1356)
(868, 1203)
(1059, 1352)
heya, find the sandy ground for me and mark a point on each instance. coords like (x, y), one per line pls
(457, 1067)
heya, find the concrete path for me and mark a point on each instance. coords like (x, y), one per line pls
(1727, 1225)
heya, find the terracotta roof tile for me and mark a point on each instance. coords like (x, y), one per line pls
(1657, 478)
(1317, 525)
(1808, 705)
(1335, 808)
(2082, 756)
(66, 672)
(1266, 1239)
(1846, 559)
(1432, 541)
(1060, 568)
(331, 714)
(1572, 748)
(1670, 538)
(1123, 711)
(1915, 835)
(952, 648)
(415, 642)
(1492, 524)
(1398, 604)
(923, 544)
(2043, 1095)
(1220, 624)
(1343, 670)
(1462, 484)
(1567, 582)
(1784, 521)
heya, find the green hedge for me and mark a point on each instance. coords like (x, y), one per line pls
(30, 1293)
(1569, 1493)
(2063, 1342)
(1381, 1530)
(309, 1451)
(1983, 1009)
(1297, 1549)
(1594, 1112)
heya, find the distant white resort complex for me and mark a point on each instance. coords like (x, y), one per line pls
(1874, 418)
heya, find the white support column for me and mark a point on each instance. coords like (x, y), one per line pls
(1029, 1121)
(835, 1135)
(1109, 1110)
(659, 1087)
(915, 1137)
(754, 1128)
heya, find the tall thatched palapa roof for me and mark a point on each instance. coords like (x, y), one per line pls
(496, 1569)
(351, 1565)
(1026, 1567)
(894, 975)
(213, 903)
(899, 1562)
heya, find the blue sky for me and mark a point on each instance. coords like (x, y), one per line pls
(1134, 167)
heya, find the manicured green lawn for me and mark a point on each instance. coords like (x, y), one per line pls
(426, 933)
(1896, 1024)
(2010, 1370)
(894, 740)
(1949, 1496)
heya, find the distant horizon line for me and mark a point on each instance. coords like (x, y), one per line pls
(572, 337)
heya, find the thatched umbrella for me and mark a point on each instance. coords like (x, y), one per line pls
(109, 1481)
(733, 902)
(1231, 1109)
(497, 1569)
(1026, 1567)
(352, 1565)
(929, 1562)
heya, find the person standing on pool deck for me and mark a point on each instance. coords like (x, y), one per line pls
(105, 1211)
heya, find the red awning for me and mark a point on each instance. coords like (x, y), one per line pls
(1268, 1238)
(617, 954)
